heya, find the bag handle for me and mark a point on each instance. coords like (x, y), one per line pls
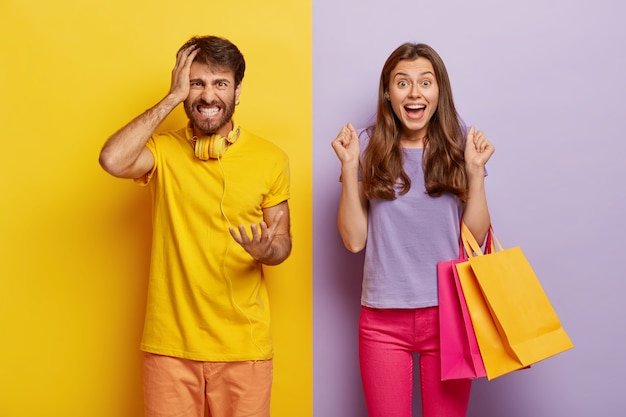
(472, 248)
(461, 247)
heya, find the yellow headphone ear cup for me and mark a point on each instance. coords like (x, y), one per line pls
(217, 146)
(202, 148)
(213, 147)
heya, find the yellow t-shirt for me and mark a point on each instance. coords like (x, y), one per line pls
(207, 298)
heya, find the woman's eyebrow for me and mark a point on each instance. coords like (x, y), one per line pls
(405, 74)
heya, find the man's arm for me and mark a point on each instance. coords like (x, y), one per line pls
(270, 245)
(125, 154)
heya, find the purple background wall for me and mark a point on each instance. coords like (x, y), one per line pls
(545, 81)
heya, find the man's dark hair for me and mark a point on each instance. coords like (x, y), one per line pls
(218, 52)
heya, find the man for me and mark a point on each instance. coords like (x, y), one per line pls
(206, 337)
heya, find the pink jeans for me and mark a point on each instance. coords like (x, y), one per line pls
(387, 339)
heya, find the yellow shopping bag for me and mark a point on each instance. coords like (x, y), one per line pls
(497, 358)
(522, 314)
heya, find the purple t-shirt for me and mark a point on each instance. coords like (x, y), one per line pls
(406, 238)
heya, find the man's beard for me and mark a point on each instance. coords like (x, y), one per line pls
(209, 126)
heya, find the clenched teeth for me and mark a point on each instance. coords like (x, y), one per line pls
(209, 112)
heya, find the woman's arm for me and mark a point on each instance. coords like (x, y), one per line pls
(353, 206)
(478, 150)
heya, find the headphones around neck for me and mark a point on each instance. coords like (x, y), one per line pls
(214, 146)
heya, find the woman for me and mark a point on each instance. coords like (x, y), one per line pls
(402, 200)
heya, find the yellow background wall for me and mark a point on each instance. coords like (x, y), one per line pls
(74, 242)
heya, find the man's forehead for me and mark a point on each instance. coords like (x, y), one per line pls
(211, 71)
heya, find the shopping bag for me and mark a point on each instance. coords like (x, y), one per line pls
(522, 314)
(460, 356)
(497, 358)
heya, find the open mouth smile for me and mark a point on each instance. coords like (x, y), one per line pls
(415, 110)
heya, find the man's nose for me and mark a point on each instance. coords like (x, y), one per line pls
(208, 93)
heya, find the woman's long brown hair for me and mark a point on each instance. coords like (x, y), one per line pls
(444, 169)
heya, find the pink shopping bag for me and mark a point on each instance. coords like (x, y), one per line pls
(460, 355)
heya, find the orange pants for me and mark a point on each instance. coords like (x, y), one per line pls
(176, 387)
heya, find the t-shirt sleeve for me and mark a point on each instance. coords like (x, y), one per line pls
(279, 189)
(147, 177)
